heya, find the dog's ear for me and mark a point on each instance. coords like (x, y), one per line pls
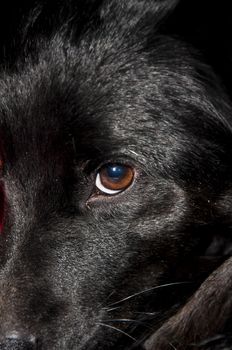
(136, 15)
(203, 320)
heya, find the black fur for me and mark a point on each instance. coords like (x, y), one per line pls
(86, 86)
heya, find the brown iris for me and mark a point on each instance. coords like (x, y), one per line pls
(114, 178)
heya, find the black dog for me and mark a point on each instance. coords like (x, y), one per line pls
(115, 184)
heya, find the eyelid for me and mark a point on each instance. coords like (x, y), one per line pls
(94, 165)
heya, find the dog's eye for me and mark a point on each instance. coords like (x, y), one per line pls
(114, 178)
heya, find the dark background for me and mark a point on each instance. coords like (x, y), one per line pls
(207, 24)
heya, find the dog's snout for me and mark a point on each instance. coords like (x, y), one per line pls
(15, 341)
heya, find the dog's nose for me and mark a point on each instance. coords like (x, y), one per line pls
(17, 342)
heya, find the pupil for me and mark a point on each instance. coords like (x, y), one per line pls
(116, 172)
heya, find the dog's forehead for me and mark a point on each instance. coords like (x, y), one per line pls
(63, 95)
(69, 99)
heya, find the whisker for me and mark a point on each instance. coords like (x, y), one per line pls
(207, 341)
(120, 320)
(107, 298)
(112, 309)
(128, 320)
(117, 330)
(147, 313)
(172, 346)
(146, 291)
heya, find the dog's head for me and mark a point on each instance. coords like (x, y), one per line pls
(113, 164)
